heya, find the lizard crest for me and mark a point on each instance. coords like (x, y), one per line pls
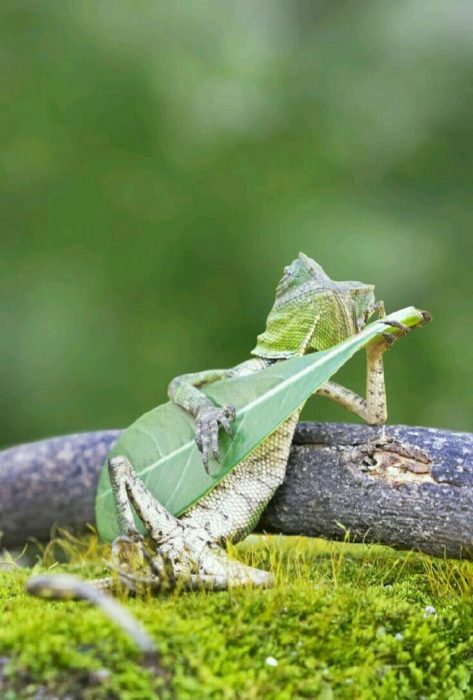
(310, 305)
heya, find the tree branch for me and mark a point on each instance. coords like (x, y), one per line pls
(336, 484)
(414, 493)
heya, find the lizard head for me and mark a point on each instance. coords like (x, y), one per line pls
(312, 311)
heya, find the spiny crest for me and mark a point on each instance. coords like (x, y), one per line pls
(300, 276)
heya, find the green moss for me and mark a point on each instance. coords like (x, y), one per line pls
(343, 621)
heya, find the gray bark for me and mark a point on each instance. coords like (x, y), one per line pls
(343, 480)
(336, 487)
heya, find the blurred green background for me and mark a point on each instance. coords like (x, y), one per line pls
(161, 162)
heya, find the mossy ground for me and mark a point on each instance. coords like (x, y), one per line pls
(343, 621)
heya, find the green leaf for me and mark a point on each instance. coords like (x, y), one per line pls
(161, 445)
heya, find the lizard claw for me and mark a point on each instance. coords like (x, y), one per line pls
(128, 550)
(208, 421)
(395, 324)
(389, 338)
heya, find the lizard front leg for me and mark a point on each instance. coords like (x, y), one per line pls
(184, 392)
(373, 409)
(376, 407)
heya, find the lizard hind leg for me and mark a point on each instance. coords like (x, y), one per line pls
(128, 490)
(228, 573)
(194, 561)
(217, 572)
(185, 556)
(128, 549)
(238, 574)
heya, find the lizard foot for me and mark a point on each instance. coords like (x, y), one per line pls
(129, 552)
(208, 421)
(400, 326)
(403, 330)
(254, 578)
(390, 338)
(190, 561)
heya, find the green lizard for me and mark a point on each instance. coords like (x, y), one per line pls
(311, 312)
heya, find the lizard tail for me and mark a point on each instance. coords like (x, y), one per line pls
(66, 587)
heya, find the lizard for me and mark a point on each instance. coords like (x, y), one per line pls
(311, 312)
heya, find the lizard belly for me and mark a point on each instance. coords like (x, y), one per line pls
(232, 509)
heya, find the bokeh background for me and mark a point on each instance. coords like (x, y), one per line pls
(161, 162)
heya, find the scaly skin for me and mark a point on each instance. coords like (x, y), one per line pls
(311, 312)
